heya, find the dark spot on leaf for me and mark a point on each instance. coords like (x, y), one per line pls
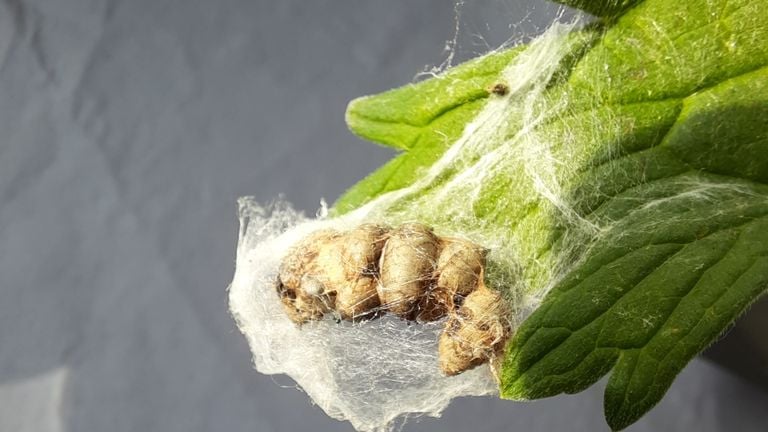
(500, 89)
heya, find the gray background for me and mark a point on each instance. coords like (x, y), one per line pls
(129, 128)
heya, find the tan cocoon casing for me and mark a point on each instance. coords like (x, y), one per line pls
(357, 296)
(474, 333)
(407, 263)
(459, 268)
(301, 281)
(408, 271)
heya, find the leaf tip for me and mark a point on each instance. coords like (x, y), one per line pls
(364, 117)
(618, 422)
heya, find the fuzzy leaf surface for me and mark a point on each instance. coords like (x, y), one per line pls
(422, 119)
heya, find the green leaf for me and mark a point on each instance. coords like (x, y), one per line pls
(406, 117)
(423, 118)
(628, 183)
(686, 257)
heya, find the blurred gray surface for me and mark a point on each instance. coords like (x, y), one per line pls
(130, 128)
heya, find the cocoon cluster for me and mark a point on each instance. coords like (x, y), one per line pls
(407, 271)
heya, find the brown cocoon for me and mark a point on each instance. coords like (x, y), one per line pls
(407, 264)
(475, 333)
(357, 296)
(408, 271)
(459, 267)
(302, 294)
(458, 270)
